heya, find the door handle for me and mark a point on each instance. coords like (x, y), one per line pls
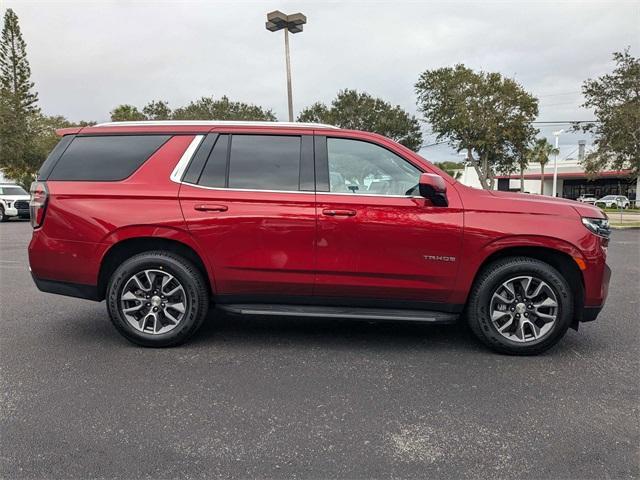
(211, 208)
(339, 213)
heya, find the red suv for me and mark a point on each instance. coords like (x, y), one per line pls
(163, 218)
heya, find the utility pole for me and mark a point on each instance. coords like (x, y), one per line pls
(293, 23)
(555, 163)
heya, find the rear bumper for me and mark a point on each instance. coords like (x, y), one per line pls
(78, 290)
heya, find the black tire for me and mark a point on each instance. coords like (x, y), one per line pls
(3, 217)
(491, 277)
(195, 289)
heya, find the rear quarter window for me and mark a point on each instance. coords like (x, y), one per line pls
(105, 158)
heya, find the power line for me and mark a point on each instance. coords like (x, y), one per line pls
(559, 94)
(434, 144)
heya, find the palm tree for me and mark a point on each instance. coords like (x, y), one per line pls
(541, 152)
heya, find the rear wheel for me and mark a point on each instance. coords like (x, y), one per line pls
(520, 306)
(157, 299)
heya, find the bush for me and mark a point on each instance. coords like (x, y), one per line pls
(601, 205)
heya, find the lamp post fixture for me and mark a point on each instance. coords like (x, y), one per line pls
(555, 163)
(293, 23)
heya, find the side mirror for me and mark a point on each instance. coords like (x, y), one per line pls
(434, 188)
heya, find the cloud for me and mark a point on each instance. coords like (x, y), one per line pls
(88, 57)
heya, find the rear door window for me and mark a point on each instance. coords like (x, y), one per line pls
(105, 158)
(265, 162)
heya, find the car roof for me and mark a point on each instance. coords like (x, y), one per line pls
(191, 126)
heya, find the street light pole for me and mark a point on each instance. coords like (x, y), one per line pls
(293, 23)
(289, 93)
(555, 163)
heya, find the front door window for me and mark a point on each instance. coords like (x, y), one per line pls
(362, 168)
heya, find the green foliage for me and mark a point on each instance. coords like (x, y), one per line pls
(360, 111)
(157, 110)
(615, 98)
(484, 114)
(452, 168)
(18, 104)
(208, 108)
(205, 108)
(126, 113)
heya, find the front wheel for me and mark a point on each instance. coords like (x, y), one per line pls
(520, 306)
(157, 299)
(3, 216)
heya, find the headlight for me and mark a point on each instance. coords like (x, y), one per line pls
(8, 204)
(599, 226)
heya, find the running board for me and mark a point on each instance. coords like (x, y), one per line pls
(354, 313)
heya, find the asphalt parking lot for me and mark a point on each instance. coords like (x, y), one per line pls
(287, 398)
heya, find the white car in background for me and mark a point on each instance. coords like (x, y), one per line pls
(14, 202)
(614, 201)
(587, 199)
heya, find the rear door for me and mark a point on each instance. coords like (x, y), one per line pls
(248, 200)
(378, 240)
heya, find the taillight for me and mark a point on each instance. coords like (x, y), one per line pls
(38, 203)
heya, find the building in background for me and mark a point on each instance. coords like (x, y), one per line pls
(572, 180)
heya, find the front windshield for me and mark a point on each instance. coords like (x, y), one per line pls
(13, 191)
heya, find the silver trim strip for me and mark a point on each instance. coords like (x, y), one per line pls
(246, 189)
(299, 191)
(181, 166)
(215, 123)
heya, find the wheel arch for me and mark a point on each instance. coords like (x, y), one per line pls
(126, 246)
(562, 260)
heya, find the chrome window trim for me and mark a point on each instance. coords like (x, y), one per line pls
(181, 166)
(369, 195)
(306, 192)
(246, 189)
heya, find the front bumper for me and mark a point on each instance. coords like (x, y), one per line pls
(14, 212)
(590, 313)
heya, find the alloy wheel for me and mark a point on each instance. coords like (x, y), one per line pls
(524, 309)
(153, 301)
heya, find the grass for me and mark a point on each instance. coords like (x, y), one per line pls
(627, 210)
(616, 223)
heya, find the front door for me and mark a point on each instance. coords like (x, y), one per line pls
(378, 241)
(248, 201)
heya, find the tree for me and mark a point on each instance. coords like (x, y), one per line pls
(452, 168)
(208, 108)
(157, 110)
(615, 98)
(18, 104)
(361, 111)
(540, 153)
(126, 113)
(483, 114)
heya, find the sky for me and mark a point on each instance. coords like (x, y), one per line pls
(89, 56)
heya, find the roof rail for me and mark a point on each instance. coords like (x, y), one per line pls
(213, 123)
